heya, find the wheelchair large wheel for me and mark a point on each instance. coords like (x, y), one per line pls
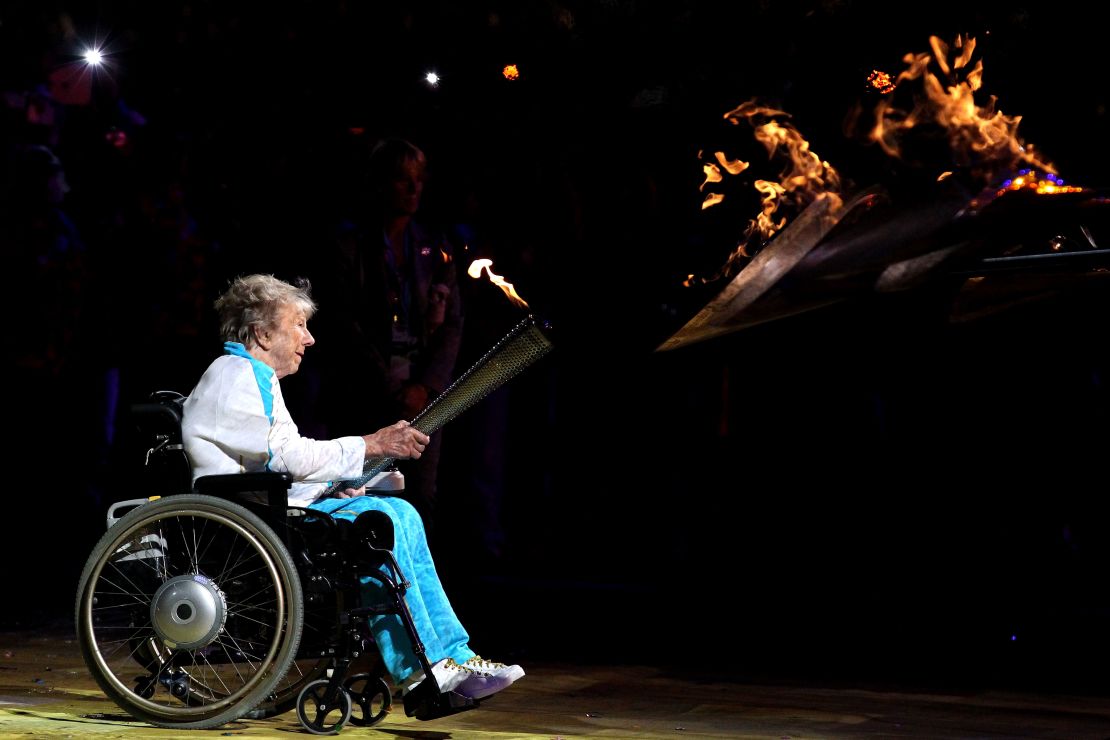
(189, 612)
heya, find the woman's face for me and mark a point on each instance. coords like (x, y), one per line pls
(284, 344)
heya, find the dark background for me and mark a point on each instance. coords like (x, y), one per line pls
(868, 491)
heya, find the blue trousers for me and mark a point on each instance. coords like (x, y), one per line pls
(439, 629)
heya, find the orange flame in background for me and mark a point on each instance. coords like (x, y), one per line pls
(713, 174)
(978, 136)
(510, 72)
(981, 139)
(805, 177)
(475, 271)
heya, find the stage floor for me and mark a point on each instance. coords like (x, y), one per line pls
(46, 692)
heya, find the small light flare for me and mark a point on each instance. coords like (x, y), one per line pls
(511, 72)
(432, 79)
(475, 271)
(93, 57)
(116, 138)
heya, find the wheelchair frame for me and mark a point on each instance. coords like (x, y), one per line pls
(219, 601)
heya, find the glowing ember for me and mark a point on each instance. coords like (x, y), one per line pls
(880, 81)
(1050, 184)
(1027, 181)
(510, 72)
(475, 271)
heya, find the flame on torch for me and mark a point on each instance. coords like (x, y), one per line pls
(475, 271)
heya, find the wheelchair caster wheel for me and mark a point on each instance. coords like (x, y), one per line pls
(321, 718)
(371, 698)
(144, 686)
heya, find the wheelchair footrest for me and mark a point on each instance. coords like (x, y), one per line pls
(425, 702)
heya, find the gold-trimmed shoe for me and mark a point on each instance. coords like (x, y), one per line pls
(511, 672)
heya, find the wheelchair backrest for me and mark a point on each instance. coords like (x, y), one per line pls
(166, 469)
(158, 423)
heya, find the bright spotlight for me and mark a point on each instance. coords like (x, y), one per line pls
(432, 79)
(93, 57)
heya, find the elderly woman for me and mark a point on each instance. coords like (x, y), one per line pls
(235, 420)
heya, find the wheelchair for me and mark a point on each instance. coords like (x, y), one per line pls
(215, 602)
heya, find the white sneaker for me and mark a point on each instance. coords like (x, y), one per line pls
(511, 672)
(450, 676)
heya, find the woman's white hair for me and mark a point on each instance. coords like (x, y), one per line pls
(253, 302)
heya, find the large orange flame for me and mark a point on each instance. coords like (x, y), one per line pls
(805, 176)
(979, 137)
(983, 142)
(475, 271)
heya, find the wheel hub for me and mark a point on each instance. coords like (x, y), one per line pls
(188, 612)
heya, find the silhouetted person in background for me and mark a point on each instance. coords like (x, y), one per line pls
(391, 313)
(44, 263)
(43, 256)
(43, 259)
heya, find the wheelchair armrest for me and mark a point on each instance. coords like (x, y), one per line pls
(264, 488)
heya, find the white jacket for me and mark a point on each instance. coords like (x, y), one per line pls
(236, 421)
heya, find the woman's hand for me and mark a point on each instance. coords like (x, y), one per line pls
(400, 441)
